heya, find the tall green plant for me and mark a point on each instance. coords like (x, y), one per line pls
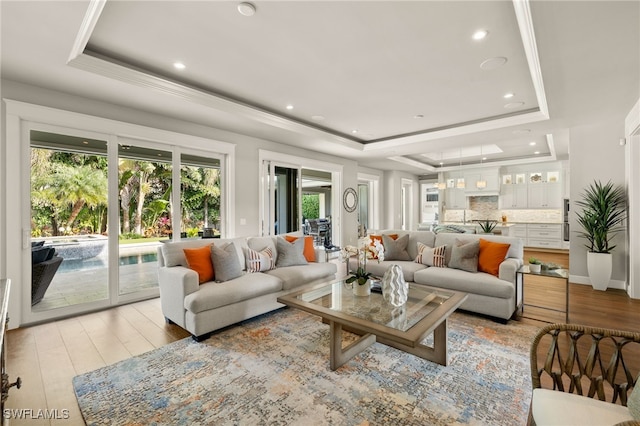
(603, 211)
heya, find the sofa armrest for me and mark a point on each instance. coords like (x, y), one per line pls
(175, 283)
(508, 269)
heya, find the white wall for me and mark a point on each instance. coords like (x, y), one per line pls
(393, 200)
(596, 154)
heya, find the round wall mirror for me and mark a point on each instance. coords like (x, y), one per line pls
(350, 200)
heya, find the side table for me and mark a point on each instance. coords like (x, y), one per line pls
(550, 273)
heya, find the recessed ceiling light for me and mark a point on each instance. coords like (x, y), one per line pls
(418, 116)
(85, 142)
(289, 107)
(179, 65)
(246, 9)
(480, 34)
(354, 131)
(509, 95)
(532, 143)
(512, 105)
(317, 117)
(537, 152)
(493, 63)
(484, 158)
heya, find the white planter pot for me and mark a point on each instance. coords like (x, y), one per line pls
(362, 290)
(599, 266)
(535, 268)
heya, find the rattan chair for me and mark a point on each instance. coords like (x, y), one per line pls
(592, 362)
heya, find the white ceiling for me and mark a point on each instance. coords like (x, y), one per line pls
(405, 75)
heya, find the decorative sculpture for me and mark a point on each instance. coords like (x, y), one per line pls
(395, 289)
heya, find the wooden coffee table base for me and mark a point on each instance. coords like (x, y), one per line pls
(338, 355)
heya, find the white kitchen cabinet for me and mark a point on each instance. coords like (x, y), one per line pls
(544, 195)
(455, 198)
(544, 235)
(519, 231)
(513, 196)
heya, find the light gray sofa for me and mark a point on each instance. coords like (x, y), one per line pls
(488, 294)
(203, 308)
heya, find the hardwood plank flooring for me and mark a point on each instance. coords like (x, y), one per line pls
(48, 356)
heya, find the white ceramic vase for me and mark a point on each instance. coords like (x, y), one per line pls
(535, 268)
(599, 266)
(395, 289)
(362, 290)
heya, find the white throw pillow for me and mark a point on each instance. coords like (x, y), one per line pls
(259, 261)
(431, 256)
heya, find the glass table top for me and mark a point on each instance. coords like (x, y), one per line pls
(339, 297)
(556, 273)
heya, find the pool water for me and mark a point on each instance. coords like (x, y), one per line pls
(101, 262)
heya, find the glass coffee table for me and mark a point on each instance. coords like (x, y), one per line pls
(375, 320)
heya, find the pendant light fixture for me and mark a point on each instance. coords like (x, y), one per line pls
(481, 183)
(441, 184)
(460, 182)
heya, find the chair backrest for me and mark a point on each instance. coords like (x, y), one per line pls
(594, 362)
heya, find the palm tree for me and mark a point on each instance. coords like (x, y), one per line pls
(79, 186)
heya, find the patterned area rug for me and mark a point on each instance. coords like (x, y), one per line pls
(274, 369)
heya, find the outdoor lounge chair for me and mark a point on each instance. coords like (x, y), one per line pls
(42, 273)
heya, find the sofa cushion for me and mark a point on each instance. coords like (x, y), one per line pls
(633, 400)
(290, 253)
(456, 279)
(309, 250)
(199, 260)
(295, 276)
(226, 264)
(491, 255)
(212, 295)
(515, 249)
(427, 238)
(551, 407)
(464, 255)
(261, 243)
(409, 267)
(173, 252)
(373, 238)
(395, 249)
(259, 261)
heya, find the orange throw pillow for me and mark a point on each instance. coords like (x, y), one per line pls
(199, 259)
(309, 250)
(375, 238)
(491, 256)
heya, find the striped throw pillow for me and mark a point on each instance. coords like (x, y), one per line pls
(259, 261)
(431, 256)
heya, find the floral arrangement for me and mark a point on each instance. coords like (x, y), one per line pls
(369, 250)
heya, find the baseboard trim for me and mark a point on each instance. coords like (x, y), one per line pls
(617, 284)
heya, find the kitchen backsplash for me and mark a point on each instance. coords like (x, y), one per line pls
(486, 207)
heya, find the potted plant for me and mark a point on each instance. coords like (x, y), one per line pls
(535, 265)
(603, 211)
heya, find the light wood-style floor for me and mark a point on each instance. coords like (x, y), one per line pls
(48, 356)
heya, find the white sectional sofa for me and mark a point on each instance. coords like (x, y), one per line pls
(203, 308)
(488, 294)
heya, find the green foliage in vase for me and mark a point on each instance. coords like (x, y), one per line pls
(360, 276)
(602, 215)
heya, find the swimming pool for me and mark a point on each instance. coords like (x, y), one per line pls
(73, 265)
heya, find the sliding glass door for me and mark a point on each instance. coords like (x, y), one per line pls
(282, 199)
(69, 209)
(100, 208)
